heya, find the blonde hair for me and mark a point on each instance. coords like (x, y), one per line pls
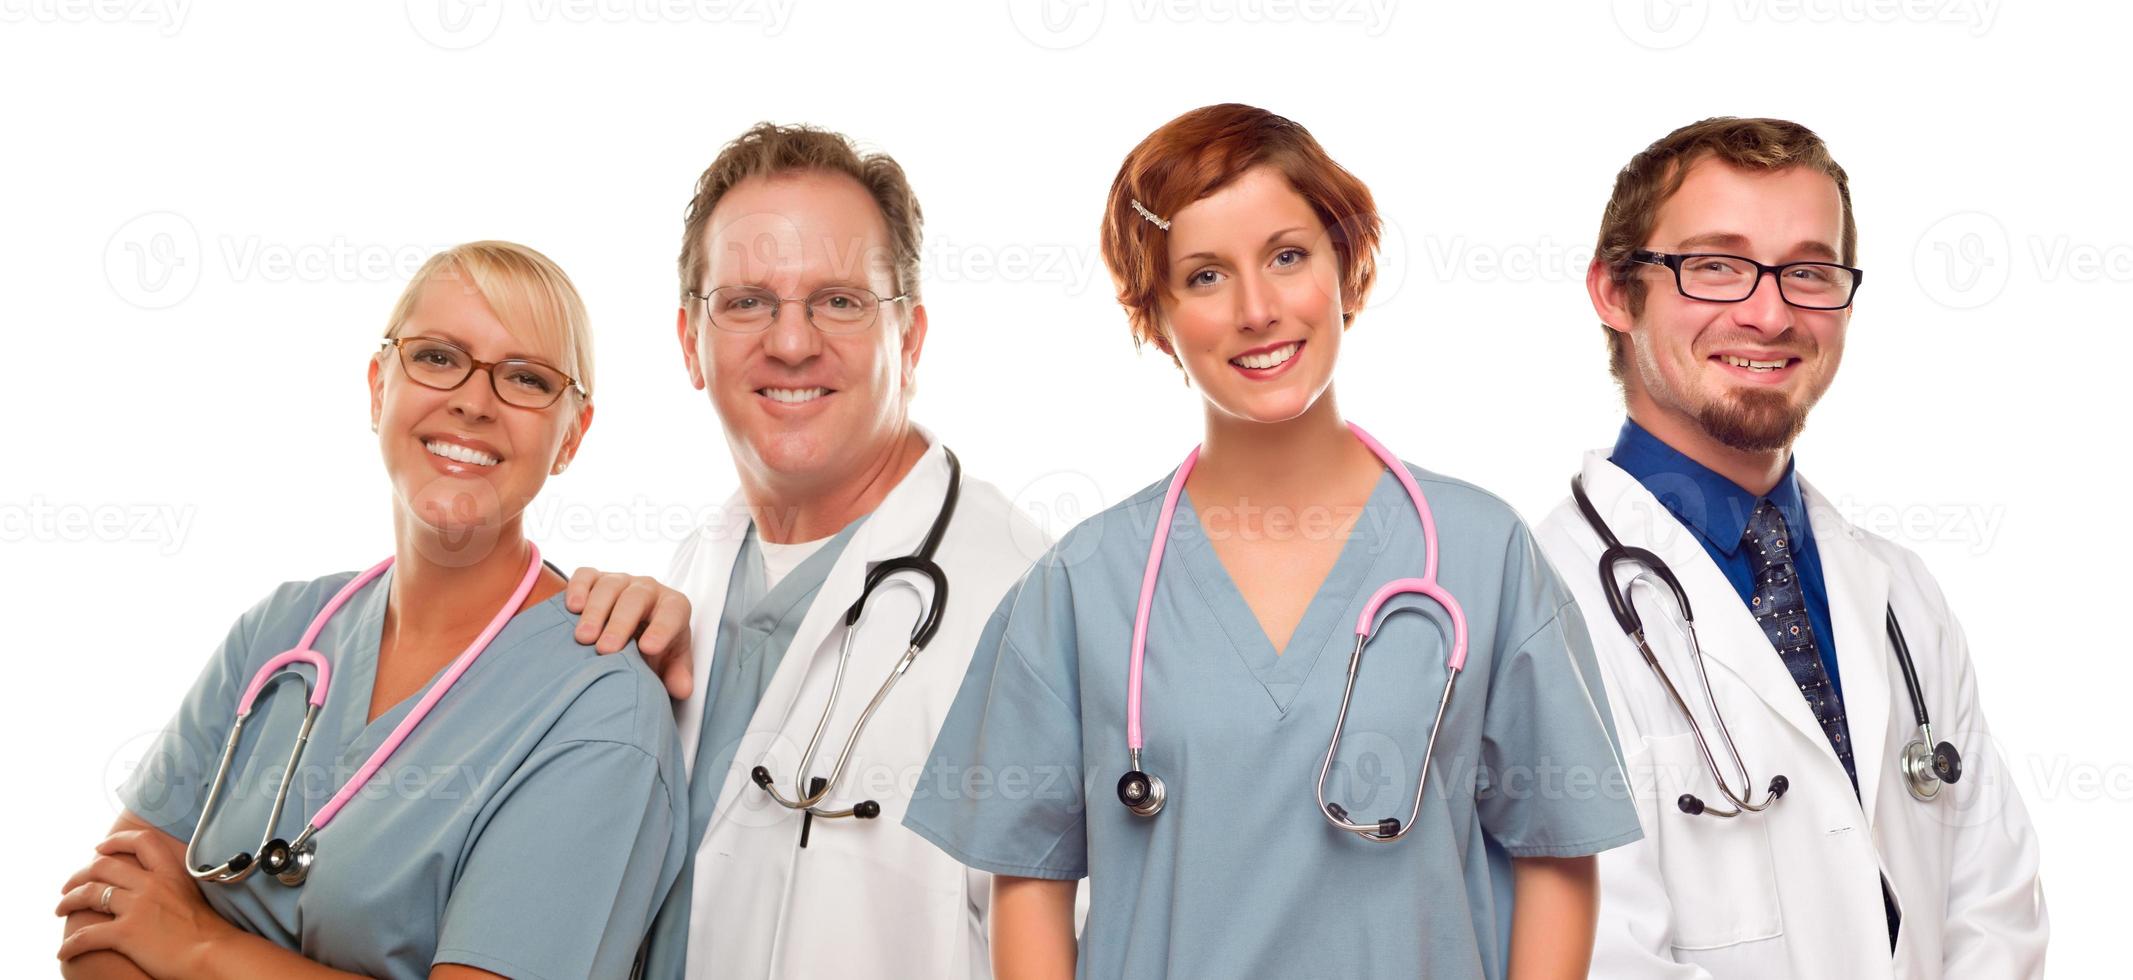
(525, 289)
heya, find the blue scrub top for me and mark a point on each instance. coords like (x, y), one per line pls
(528, 827)
(1240, 874)
(755, 627)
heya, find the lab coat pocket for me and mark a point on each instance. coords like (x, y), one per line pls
(1720, 876)
(880, 906)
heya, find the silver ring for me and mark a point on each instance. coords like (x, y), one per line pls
(104, 904)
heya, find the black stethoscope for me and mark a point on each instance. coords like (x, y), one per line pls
(1924, 769)
(921, 564)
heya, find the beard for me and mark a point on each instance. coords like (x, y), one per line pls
(1753, 421)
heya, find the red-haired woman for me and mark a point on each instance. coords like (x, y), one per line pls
(1178, 702)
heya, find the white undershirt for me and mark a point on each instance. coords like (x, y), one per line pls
(780, 559)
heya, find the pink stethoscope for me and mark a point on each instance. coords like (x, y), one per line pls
(290, 861)
(1144, 794)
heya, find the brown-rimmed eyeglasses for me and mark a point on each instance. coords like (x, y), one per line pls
(517, 381)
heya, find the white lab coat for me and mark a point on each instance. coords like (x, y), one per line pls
(1795, 891)
(865, 898)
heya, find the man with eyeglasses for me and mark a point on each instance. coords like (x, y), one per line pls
(1748, 634)
(805, 732)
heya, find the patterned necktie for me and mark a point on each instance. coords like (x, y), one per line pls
(1781, 611)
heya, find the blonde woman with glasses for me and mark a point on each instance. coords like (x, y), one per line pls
(479, 795)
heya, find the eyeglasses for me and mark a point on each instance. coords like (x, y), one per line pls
(832, 309)
(443, 365)
(1718, 278)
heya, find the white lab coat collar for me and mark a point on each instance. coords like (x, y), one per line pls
(1728, 632)
(888, 528)
(705, 580)
(1962, 868)
(896, 527)
(1857, 583)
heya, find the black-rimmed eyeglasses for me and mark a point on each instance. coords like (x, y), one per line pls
(1719, 278)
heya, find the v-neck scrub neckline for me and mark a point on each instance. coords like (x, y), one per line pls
(1240, 874)
(1281, 673)
(533, 820)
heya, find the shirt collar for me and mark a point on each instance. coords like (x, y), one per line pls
(1716, 508)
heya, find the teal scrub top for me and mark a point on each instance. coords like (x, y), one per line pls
(1240, 874)
(529, 826)
(755, 627)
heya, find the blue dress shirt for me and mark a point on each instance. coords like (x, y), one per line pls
(1717, 509)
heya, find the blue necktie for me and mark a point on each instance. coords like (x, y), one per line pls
(1781, 611)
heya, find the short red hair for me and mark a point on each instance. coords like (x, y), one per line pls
(1202, 152)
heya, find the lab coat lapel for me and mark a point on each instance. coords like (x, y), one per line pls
(1725, 628)
(1858, 586)
(896, 527)
(705, 576)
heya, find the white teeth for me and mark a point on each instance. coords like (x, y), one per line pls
(794, 396)
(1743, 362)
(1272, 358)
(458, 453)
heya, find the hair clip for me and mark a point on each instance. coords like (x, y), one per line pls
(1150, 215)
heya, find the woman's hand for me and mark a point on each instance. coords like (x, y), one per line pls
(159, 919)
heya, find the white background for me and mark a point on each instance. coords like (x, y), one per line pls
(208, 211)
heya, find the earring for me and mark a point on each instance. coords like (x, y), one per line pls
(374, 425)
(560, 466)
